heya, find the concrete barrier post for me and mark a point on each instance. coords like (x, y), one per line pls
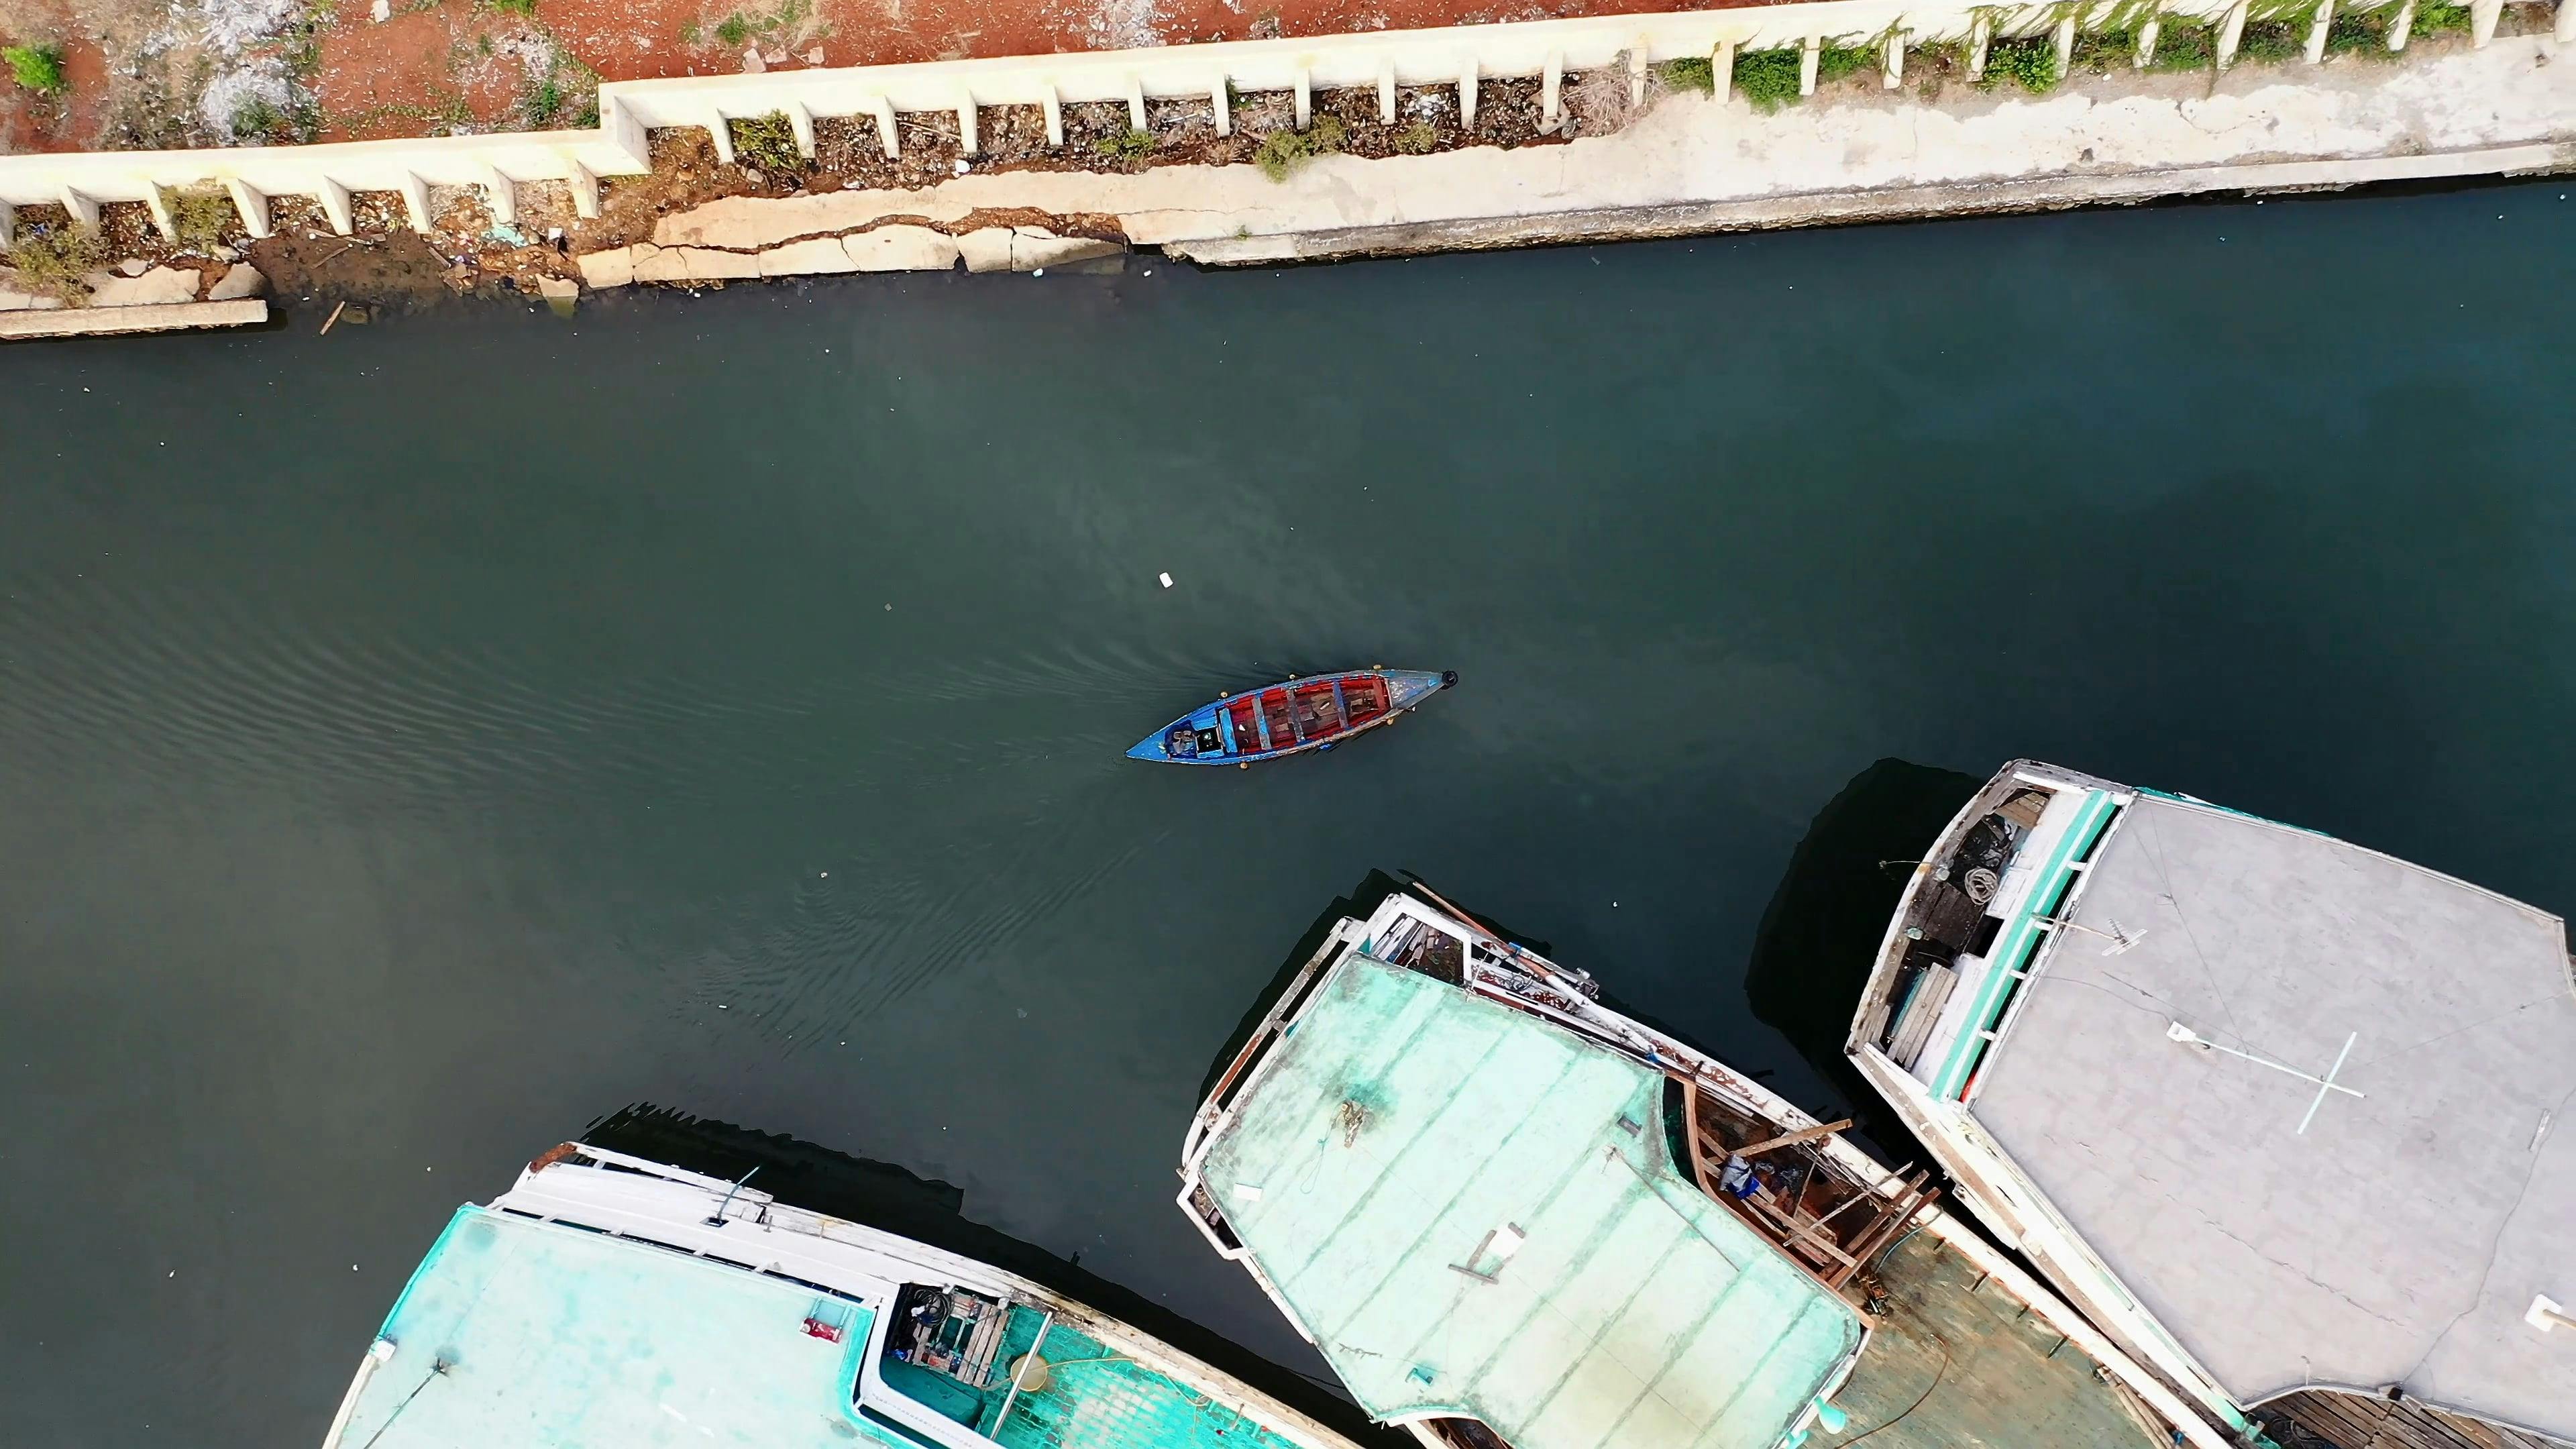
(2401, 27)
(2231, 33)
(2318, 30)
(720, 132)
(2147, 34)
(1551, 88)
(1637, 75)
(156, 200)
(801, 121)
(1722, 72)
(585, 191)
(2566, 28)
(1467, 96)
(1981, 34)
(415, 195)
(625, 130)
(1386, 93)
(1221, 100)
(1891, 66)
(1053, 105)
(968, 141)
(2065, 44)
(8, 225)
(1808, 55)
(1136, 102)
(2482, 21)
(886, 137)
(501, 194)
(251, 206)
(84, 210)
(334, 201)
(1305, 102)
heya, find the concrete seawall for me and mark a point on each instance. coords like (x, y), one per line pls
(2490, 99)
(1699, 163)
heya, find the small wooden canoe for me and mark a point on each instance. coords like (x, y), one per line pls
(1291, 716)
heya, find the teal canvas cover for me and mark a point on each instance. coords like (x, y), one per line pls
(1473, 1212)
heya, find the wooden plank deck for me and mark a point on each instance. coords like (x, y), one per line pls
(2323, 1417)
(1957, 1362)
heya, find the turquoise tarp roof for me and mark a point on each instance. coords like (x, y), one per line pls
(1404, 1121)
(552, 1335)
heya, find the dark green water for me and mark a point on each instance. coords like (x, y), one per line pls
(419, 741)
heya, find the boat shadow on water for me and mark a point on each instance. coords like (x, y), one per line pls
(1819, 936)
(893, 1199)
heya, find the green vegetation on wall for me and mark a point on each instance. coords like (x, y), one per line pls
(2028, 61)
(1691, 73)
(2184, 45)
(1768, 78)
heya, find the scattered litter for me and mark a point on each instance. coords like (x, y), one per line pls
(964, 166)
(1167, 580)
(1149, 271)
(814, 56)
(752, 64)
(1038, 272)
(382, 11)
(502, 231)
(334, 317)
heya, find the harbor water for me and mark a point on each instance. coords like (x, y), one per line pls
(420, 741)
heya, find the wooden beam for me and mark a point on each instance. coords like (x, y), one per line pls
(1792, 1139)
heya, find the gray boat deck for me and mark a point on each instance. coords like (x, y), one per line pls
(2401, 1237)
(1957, 1362)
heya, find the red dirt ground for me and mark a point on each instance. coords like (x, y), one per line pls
(640, 39)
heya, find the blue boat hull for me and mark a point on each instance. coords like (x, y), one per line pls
(1291, 717)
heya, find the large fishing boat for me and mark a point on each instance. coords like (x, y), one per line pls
(1508, 1215)
(2282, 1115)
(610, 1302)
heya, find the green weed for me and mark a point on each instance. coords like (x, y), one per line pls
(38, 68)
(2029, 61)
(1690, 73)
(767, 142)
(53, 261)
(1768, 78)
(2271, 42)
(1418, 139)
(521, 8)
(545, 104)
(1127, 146)
(1834, 62)
(2100, 52)
(2184, 46)
(201, 215)
(2363, 34)
(2432, 20)
(1281, 153)
(1326, 135)
(734, 29)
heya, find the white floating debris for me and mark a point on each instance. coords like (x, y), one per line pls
(964, 166)
(1167, 580)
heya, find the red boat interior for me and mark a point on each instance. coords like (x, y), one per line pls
(1306, 712)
